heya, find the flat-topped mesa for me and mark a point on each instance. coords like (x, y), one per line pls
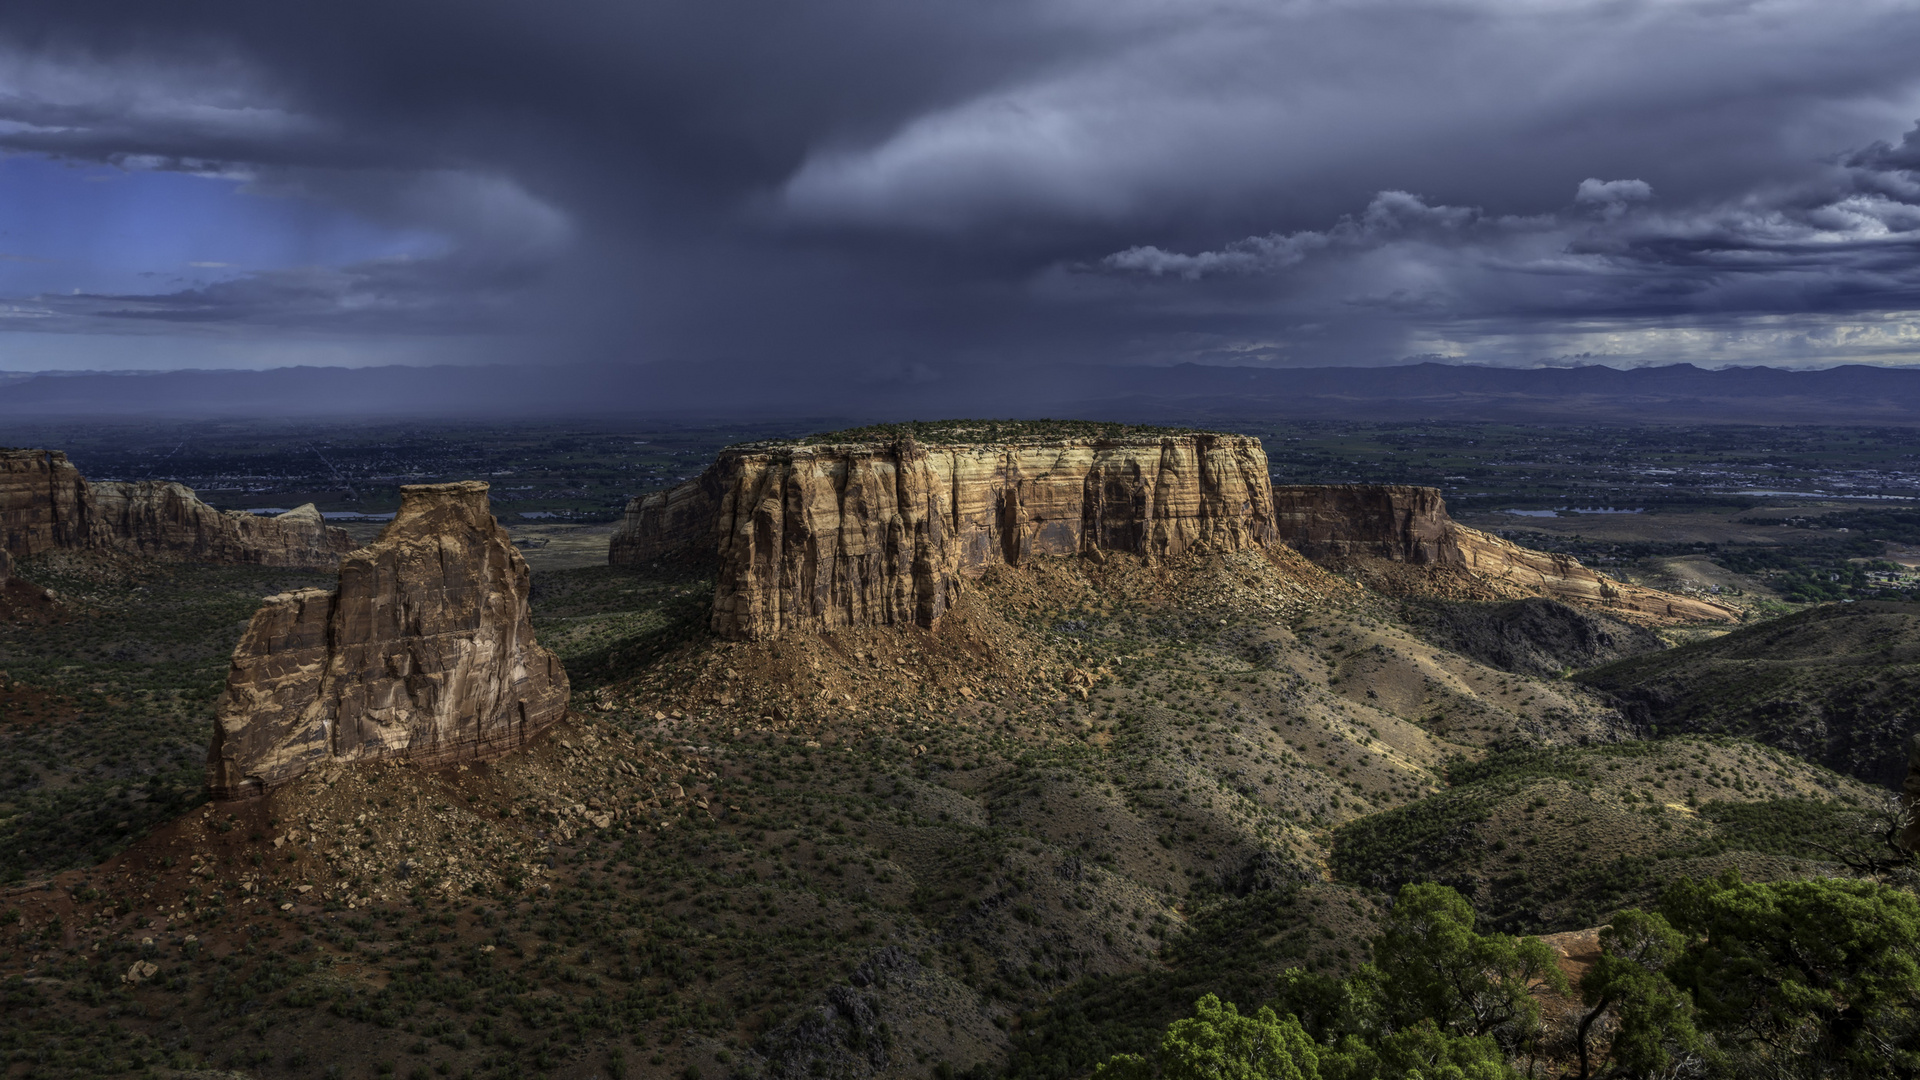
(829, 536)
(45, 503)
(425, 652)
(1354, 523)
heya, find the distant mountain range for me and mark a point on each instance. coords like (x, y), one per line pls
(1678, 393)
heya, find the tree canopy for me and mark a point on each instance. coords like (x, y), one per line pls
(1812, 978)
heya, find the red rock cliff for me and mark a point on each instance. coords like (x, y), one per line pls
(1383, 521)
(821, 537)
(425, 651)
(45, 503)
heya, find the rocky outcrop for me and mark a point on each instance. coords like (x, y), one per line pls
(668, 523)
(823, 537)
(1341, 524)
(1331, 522)
(425, 651)
(45, 503)
(165, 520)
(1503, 562)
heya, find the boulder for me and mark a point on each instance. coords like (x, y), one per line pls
(424, 652)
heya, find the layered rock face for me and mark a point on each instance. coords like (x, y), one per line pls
(166, 520)
(1340, 523)
(669, 522)
(425, 651)
(1383, 521)
(1563, 577)
(45, 503)
(822, 537)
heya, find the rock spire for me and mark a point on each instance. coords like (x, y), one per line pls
(425, 651)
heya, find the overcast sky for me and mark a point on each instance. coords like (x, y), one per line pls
(905, 189)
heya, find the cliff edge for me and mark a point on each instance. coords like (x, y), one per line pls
(45, 503)
(425, 651)
(1384, 529)
(838, 535)
(830, 536)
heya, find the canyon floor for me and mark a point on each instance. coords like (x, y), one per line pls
(1011, 845)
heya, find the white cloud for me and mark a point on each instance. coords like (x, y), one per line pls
(1612, 195)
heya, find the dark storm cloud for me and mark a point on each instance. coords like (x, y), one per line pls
(398, 296)
(901, 190)
(1882, 156)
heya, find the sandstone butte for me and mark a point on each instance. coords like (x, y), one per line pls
(46, 504)
(823, 537)
(425, 651)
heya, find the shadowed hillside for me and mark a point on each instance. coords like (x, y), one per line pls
(1833, 684)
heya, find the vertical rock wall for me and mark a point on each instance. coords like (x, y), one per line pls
(425, 651)
(1383, 521)
(821, 537)
(43, 502)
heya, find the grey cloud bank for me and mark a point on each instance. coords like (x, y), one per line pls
(916, 194)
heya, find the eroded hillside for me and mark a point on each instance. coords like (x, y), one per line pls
(1833, 684)
(1022, 838)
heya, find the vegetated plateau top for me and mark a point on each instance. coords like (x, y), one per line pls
(974, 432)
